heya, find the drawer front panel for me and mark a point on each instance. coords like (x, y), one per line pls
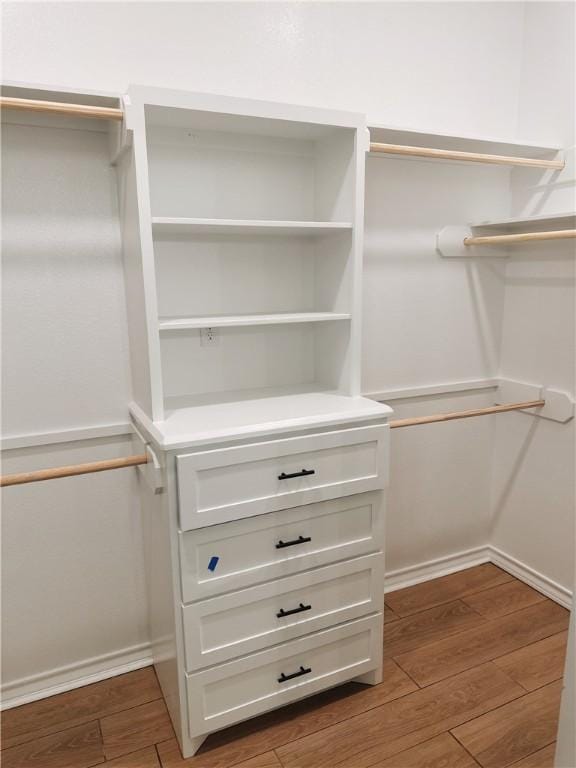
(228, 557)
(225, 627)
(230, 692)
(230, 483)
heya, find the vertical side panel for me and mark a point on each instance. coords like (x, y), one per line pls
(135, 298)
(362, 143)
(162, 563)
(138, 250)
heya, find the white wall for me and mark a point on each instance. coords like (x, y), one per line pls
(73, 547)
(449, 65)
(534, 488)
(430, 320)
(73, 588)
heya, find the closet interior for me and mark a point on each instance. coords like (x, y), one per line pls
(263, 463)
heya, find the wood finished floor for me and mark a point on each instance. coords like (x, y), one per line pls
(472, 677)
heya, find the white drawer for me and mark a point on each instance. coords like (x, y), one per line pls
(228, 557)
(232, 625)
(228, 693)
(230, 483)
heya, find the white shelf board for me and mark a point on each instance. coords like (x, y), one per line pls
(223, 321)
(181, 227)
(190, 420)
(544, 221)
(462, 143)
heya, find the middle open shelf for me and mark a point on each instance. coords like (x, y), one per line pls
(163, 226)
(223, 321)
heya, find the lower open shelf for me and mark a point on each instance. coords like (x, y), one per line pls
(191, 420)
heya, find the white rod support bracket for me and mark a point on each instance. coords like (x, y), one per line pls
(559, 405)
(450, 245)
(151, 472)
(120, 134)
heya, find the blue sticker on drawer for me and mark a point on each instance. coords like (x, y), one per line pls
(213, 563)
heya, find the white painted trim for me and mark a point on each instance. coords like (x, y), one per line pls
(434, 569)
(545, 585)
(76, 675)
(443, 566)
(428, 390)
(31, 440)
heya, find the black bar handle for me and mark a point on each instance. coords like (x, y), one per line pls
(301, 608)
(300, 540)
(302, 473)
(302, 671)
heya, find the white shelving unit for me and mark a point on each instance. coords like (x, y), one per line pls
(242, 232)
(251, 225)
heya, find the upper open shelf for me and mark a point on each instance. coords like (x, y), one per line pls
(544, 221)
(462, 143)
(164, 227)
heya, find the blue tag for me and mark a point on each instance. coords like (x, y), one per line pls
(213, 563)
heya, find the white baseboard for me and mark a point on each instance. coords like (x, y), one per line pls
(433, 569)
(443, 566)
(61, 679)
(538, 581)
(93, 670)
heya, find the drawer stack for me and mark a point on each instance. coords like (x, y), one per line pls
(282, 570)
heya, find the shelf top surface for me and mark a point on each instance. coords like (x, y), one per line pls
(192, 421)
(219, 321)
(439, 140)
(168, 226)
(210, 111)
(546, 221)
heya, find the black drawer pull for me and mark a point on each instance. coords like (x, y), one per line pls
(302, 671)
(302, 473)
(301, 608)
(300, 540)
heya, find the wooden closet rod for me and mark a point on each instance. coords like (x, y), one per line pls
(62, 108)
(471, 157)
(115, 113)
(134, 461)
(418, 420)
(521, 237)
(72, 470)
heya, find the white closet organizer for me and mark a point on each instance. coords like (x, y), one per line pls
(242, 231)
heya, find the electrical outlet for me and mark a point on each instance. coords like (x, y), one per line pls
(209, 337)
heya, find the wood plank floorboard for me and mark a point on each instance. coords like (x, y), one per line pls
(143, 758)
(504, 599)
(78, 747)
(427, 626)
(39, 718)
(364, 740)
(514, 731)
(452, 655)
(170, 757)
(472, 679)
(440, 752)
(135, 729)
(544, 758)
(389, 615)
(538, 664)
(445, 589)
